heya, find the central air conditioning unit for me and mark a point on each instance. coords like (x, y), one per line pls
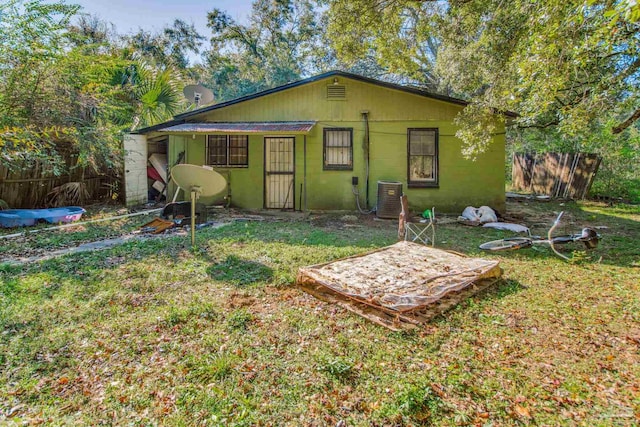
(389, 199)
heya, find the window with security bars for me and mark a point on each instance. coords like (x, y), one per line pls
(422, 157)
(228, 150)
(338, 148)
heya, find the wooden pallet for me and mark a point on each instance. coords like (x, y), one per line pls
(402, 286)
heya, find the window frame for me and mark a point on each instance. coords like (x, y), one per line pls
(341, 167)
(227, 163)
(435, 183)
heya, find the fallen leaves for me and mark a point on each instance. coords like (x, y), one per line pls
(556, 352)
(522, 411)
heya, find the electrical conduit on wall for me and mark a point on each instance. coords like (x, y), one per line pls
(365, 149)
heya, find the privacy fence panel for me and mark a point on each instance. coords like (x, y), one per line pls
(28, 187)
(558, 175)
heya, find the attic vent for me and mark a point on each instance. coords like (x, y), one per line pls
(336, 92)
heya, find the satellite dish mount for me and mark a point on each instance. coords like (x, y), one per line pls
(198, 95)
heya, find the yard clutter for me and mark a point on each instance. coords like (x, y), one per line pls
(157, 226)
(420, 232)
(486, 217)
(157, 173)
(516, 228)
(401, 286)
(477, 216)
(176, 214)
(29, 217)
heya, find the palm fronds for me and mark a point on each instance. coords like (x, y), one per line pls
(71, 193)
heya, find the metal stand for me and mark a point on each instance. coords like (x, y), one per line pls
(195, 194)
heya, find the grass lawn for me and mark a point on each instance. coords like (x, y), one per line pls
(152, 332)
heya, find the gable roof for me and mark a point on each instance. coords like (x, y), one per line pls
(182, 118)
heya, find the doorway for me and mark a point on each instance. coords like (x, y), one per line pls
(279, 168)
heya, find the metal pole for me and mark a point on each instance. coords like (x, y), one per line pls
(305, 173)
(193, 216)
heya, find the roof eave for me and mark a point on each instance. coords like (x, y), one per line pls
(153, 128)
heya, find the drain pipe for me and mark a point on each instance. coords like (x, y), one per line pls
(365, 116)
(365, 148)
(304, 177)
(228, 196)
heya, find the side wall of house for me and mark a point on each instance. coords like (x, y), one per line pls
(390, 114)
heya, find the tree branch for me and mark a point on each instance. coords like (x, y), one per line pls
(540, 126)
(622, 126)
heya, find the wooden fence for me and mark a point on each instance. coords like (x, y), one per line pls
(558, 175)
(29, 188)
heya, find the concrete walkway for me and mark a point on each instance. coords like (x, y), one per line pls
(98, 246)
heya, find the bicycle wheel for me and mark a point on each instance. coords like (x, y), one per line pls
(563, 240)
(506, 244)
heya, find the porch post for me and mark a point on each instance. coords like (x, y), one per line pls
(304, 178)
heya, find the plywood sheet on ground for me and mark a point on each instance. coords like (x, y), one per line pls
(399, 286)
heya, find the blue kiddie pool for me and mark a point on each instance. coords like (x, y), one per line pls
(29, 217)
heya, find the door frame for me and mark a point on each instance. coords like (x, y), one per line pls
(264, 169)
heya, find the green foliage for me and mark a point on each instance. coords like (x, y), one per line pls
(176, 317)
(276, 47)
(31, 39)
(555, 63)
(241, 272)
(337, 367)
(478, 124)
(239, 319)
(210, 368)
(25, 147)
(419, 402)
(170, 47)
(154, 93)
(67, 91)
(400, 36)
(571, 65)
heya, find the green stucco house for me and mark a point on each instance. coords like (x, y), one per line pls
(304, 145)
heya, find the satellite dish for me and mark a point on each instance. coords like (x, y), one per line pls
(200, 181)
(198, 95)
(207, 180)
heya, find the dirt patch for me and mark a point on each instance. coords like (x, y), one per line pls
(341, 221)
(238, 300)
(529, 214)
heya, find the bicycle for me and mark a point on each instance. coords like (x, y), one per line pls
(588, 236)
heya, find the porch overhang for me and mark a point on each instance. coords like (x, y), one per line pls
(242, 127)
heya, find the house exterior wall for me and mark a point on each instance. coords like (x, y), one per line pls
(391, 113)
(246, 183)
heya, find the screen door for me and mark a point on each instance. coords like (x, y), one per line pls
(279, 184)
